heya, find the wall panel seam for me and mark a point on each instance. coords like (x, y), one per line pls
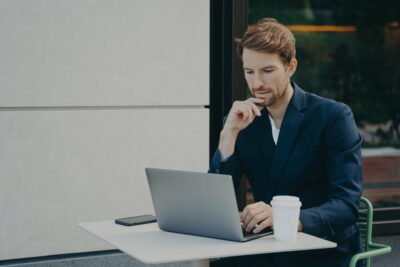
(103, 107)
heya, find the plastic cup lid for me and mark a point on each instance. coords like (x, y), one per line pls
(287, 201)
(286, 198)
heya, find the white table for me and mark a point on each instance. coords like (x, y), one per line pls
(149, 244)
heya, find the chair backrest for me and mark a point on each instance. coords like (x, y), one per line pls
(365, 217)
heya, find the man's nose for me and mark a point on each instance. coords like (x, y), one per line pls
(257, 82)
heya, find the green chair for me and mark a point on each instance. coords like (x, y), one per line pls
(364, 222)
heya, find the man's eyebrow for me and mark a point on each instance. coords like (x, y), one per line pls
(266, 67)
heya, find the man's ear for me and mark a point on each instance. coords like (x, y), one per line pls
(292, 66)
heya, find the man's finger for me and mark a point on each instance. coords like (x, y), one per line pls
(264, 224)
(251, 114)
(241, 111)
(255, 221)
(256, 100)
(251, 214)
(259, 103)
(246, 211)
(246, 216)
(246, 113)
(255, 109)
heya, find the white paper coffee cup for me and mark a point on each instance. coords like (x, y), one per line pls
(285, 217)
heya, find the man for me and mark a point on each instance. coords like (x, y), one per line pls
(290, 142)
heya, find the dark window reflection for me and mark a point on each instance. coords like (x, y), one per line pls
(350, 51)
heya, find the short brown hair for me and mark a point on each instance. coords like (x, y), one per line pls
(270, 36)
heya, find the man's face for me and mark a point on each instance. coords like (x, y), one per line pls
(266, 75)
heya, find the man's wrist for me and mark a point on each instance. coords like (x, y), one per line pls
(229, 130)
(300, 227)
(227, 142)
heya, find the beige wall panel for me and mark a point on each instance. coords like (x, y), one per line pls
(104, 53)
(62, 167)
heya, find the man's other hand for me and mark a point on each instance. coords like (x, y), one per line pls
(256, 217)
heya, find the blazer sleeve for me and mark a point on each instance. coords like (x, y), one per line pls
(231, 165)
(344, 172)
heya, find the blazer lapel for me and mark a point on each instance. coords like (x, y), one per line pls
(290, 127)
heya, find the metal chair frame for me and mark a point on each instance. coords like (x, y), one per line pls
(365, 216)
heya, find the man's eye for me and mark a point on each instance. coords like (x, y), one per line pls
(268, 71)
(249, 72)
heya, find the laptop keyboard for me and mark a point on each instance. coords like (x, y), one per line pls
(250, 234)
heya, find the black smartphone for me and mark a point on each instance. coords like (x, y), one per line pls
(137, 220)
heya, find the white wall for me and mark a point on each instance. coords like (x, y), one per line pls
(91, 93)
(101, 52)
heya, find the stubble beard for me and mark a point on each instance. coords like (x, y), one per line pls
(273, 99)
(269, 102)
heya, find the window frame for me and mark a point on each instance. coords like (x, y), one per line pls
(229, 19)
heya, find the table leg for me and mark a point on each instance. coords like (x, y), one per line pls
(201, 263)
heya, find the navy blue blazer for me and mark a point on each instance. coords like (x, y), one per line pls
(317, 158)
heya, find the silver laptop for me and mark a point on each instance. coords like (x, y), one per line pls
(196, 203)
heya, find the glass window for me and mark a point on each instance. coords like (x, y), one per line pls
(350, 51)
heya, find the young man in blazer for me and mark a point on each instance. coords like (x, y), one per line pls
(290, 142)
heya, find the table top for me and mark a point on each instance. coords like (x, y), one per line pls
(149, 244)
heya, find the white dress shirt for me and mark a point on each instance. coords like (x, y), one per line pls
(275, 131)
